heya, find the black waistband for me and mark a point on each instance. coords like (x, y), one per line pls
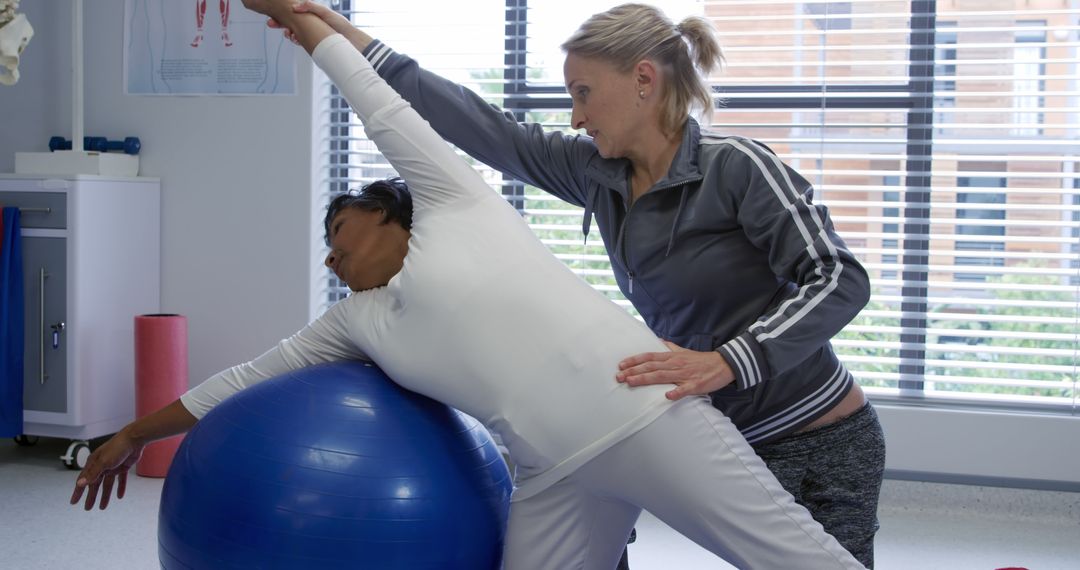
(826, 435)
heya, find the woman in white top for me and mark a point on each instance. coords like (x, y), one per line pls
(438, 306)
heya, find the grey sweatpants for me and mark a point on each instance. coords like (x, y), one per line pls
(835, 471)
(691, 469)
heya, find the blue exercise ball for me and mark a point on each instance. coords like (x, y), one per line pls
(334, 466)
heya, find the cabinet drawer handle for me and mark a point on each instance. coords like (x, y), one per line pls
(41, 315)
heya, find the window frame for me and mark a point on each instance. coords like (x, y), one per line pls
(915, 98)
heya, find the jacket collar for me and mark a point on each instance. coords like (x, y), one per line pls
(613, 173)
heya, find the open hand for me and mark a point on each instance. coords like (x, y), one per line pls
(108, 465)
(692, 372)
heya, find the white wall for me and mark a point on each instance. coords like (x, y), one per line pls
(998, 448)
(235, 176)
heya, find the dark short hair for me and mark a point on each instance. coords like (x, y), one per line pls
(391, 196)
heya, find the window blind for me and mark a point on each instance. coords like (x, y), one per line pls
(942, 136)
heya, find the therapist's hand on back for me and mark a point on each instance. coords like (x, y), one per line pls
(691, 371)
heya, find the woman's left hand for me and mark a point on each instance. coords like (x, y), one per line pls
(691, 371)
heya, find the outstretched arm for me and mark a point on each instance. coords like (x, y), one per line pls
(435, 173)
(549, 160)
(324, 340)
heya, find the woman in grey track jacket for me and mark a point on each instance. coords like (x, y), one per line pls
(713, 239)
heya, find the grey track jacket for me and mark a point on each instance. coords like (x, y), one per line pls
(727, 252)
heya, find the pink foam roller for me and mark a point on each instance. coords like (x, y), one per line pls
(161, 376)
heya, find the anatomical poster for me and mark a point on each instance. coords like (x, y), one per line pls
(203, 47)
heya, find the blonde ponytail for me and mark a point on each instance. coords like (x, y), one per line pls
(686, 54)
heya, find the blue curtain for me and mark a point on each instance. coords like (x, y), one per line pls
(11, 326)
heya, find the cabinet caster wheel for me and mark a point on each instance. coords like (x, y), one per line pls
(76, 455)
(25, 440)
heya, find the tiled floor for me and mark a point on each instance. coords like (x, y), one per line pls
(924, 525)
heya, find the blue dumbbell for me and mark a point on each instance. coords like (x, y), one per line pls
(130, 145)
(94, 144)
(59, 143)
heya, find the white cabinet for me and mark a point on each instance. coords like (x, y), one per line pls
(91, 263)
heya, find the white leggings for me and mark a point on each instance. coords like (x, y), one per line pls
(691, 469)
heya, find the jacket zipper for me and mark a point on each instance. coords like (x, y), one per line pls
(622, 235)
(622, 249)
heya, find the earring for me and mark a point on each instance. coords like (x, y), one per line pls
(641, 93)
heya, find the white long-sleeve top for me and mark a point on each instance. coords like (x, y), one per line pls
(481, 317)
